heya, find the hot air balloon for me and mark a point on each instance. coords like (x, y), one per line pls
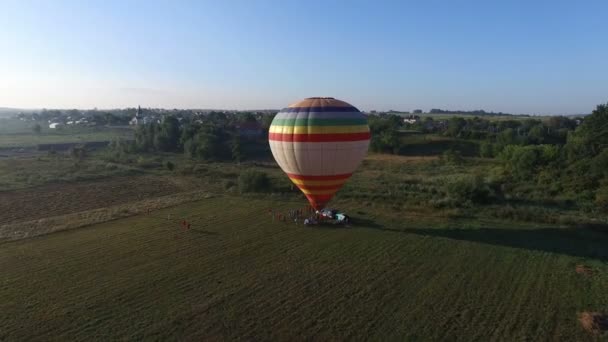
(319, 142)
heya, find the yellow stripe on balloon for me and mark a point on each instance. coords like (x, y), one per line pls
(317, 182)
(319, 192)
(318, 129)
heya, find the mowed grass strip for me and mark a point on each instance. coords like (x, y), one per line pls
(238, 274)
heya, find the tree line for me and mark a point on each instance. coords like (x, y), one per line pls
(217, 138)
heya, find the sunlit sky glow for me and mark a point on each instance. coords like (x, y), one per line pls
(539, 57)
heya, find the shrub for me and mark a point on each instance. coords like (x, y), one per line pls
(486, 150)
(111, 166)
(254, 181)
(147, 163)
(229, 184)
(469, 188)
(451, 157)
(601, 198)
(200, 169)
(169, 165)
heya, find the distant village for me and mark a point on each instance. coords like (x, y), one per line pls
(434, 121)
(133, 117)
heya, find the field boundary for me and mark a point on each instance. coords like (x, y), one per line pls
(28, 229)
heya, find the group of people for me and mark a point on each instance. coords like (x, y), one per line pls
(307, 215)
(295, 215)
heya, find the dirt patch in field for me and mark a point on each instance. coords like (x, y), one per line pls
(27, 229)
(60, 199)
(594, 322)
(584, 270)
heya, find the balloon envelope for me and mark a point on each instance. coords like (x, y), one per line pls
(319, 142)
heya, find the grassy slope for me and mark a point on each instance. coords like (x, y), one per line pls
(239, 274)
(24, 137)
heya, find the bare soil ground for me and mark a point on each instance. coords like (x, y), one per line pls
(59, 199)
(584, 270)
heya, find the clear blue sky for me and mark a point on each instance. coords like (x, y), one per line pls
(511, 56)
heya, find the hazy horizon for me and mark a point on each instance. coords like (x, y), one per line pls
(517, 57)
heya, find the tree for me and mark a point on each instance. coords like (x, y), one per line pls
(236, 148)
(254, 181)
(506, 137)
(207, 146)
(78, 153)
(593, 132)
(37, 128)
(267, 120)
(455, 125)
(486, 150)
(169, 165)
(170, 134)
(536, 135)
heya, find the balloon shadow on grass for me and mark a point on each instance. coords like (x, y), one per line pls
(585, 242)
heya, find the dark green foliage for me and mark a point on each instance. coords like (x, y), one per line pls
(469, 188)
(524, 162)
(592, 136)
(385, 133)
(206, 146)
(254, 181)
(451, 157)
(36, 128)
(236, 149)
(78, 153)
(486, 150)
(506, 137)
(536, 135)
(169, 165)
(267, 121)
(455, 125)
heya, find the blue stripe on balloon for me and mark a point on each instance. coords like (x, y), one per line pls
(320, 115)
(318, 109)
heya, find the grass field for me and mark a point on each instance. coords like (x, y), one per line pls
(23, 136)
(237, 274)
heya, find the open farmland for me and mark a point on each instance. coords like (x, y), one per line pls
(17, 137)
(58, 199)
(238, 274)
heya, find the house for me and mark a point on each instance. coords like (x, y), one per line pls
(411, 119)
(55, 125)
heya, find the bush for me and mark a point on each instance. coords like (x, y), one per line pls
(451, 157)
(469, 188)
(200, 169)
(601, 198)
(525, 162)
(486, 150)
(111, 166)
(169, 165)
(254, 181)
(147, 163)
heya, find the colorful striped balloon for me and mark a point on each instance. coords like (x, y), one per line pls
(319, 142)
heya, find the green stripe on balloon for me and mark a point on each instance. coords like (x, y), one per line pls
(320, 122)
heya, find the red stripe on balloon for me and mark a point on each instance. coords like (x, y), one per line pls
(331, 137)
(319, 201)
(328, 177)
